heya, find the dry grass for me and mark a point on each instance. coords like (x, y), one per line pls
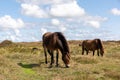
(17, 62)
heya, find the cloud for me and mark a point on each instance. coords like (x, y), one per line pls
(115, 11)
(33, 10)
(58, 24)
(43, 30)
(7, 22)
(94, 21)
(67, 10)
(62, 28)
(95, 24)
(17, 33)
(13, 35)
(57, 8)
(55, 22)
(44, 2)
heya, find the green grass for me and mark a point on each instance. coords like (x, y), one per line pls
(18, 63)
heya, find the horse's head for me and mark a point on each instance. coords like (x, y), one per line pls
(101, 52)
(66, 59)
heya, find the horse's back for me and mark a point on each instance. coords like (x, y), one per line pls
(46, 34)
(50, 40)
(90, 44)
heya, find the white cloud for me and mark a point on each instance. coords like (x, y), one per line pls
(7, 22)
(94, 21)
(43, 2)
(69, 9)
(33, 10)
(62, 28)
(58, 24)
(34, 38)
(55, 22)
(115, 11)
(59, 8)
(43, 30)
(66, 10)
(12, 37)
(86, 20)
(17, 33)
(9, 36)
(95, 24)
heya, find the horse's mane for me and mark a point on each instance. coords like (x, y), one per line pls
(100, 44)
(64, 41)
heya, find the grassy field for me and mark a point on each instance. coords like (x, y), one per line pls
(19, 62)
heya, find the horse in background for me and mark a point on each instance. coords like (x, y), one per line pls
(92, 45)
(56, 41)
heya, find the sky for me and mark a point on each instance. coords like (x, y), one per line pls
(28, 20)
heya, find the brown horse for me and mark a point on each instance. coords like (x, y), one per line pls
(92, 45)
(56, 41)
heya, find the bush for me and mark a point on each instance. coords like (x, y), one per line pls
(6, 43)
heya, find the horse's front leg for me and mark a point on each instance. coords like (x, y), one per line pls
(98, 52)
(87, 51)
(93, 52)
(57, 56)
(52, 57)
(82, 50)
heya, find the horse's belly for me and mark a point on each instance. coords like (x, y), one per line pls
(91, 49)
(51, 48)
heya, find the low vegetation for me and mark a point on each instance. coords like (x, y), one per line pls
(25, 61)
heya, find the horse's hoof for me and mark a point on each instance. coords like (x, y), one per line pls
(67, 66)
(50, 66)
(57, 65)
(46, 62)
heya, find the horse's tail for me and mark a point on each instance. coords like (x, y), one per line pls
(43, 44)
(83, 44)
(100, 44)
(64, 41)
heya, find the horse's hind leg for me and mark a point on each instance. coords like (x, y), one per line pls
(45, 54)
(57, 56)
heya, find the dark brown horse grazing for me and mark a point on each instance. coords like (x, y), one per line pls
(56, 41)
(92, 45)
